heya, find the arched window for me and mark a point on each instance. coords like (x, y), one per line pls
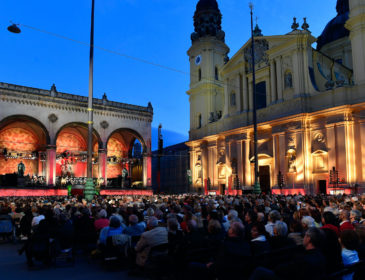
(200, 74)
(216, 73)
(288, 80)
(199, 120)
(233, 99)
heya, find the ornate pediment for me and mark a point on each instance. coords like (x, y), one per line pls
(261, 57)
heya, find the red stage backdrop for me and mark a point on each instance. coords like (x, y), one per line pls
(115, 148)
(18, 140)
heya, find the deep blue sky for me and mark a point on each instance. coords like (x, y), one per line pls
(154, 30)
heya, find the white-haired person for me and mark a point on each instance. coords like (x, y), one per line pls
(154, 236)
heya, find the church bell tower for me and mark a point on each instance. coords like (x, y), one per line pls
(207, 55)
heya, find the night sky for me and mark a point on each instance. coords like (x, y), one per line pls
(157, 31)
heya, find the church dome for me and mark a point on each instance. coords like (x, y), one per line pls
(335, 29)
(207, 5)
(207, 21)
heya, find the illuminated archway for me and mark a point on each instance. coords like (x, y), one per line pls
(124, 158)
(22, 139)
(71, 152)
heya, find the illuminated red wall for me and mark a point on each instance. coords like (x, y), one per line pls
(71, 141)
(18, 140)
(118, 149)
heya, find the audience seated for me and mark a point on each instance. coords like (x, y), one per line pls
(197, 236)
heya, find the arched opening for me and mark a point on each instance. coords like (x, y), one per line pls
(23, 141)
(71, 154)
(125, 149)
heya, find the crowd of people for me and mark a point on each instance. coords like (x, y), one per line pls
(200, 237)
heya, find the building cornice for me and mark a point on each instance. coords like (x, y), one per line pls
(72, 103)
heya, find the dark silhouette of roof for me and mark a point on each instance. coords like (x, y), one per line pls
(335, 29)
(207, 5)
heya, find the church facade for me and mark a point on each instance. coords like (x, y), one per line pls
(46, 130)
(310, 106)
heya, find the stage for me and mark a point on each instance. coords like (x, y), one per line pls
(24, 192)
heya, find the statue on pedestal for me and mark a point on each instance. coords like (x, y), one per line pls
(21, 169)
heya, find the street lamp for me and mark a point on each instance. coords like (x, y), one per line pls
(89, 187)
(256, 188)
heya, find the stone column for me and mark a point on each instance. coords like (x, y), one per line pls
(331, 145)
(205, 163)
(240, 161)
(362, 133)
(279, 79)
(247, 163)
(226, 100)
(147, 170)
(276, 154)
(250, 96)
(273, 81)
(51, 165)
(238, 94)
(350, 150)
(356, 25)
(299, 75)
(245, 93)
(40, 165)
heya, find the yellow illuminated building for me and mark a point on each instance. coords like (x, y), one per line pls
(310, 101)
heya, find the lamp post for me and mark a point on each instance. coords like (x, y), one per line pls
(256, 188)
(89, 186)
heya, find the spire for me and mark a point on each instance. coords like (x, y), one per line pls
(257, 31)
(207, 21)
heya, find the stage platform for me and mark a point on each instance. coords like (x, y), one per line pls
(21, 192)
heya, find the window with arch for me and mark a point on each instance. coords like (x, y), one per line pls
(200, 74)
(288, 80)
(216, 73)
(233, 99)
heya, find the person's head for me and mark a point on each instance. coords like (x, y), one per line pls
(329, 218)
(236, 230)
(172, 224)
(274, 216)
(257, 230)
(307, 222)
(150, 212)
(345, 215)
(152, 222)
(214, 227)
(232, 215)
(133, 219)
(349, 239)
(102, 214)
(251, 216)
(191, 225)
(355, 216)
(280, 229)
(114, 222)
(260, 217)
(313, 238)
